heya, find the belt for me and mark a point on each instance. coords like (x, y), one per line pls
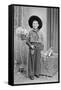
(35, 42)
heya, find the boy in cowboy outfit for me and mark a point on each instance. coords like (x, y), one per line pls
(35, 47)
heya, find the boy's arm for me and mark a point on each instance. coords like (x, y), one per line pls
(42, 41)
(28, 41)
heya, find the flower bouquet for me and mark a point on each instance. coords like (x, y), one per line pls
(21, 33)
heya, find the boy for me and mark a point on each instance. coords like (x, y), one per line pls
(35, 47)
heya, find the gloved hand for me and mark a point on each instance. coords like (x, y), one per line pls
(32, 47)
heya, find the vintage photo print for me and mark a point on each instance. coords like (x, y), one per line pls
(36, 44)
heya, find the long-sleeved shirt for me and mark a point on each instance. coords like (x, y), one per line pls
(34, 37)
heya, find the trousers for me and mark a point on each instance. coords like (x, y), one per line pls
(34, 65)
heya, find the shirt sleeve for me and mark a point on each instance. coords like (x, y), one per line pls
(42, 39)
(28, 40)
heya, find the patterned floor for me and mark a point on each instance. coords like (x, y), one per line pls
(20, 78)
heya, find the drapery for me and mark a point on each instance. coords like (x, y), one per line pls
(20, 47)
(52, 28)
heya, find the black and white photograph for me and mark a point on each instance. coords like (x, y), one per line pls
(36, 44)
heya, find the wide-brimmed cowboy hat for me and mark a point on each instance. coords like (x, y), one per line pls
(33, 18)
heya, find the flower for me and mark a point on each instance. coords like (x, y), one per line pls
(21, 33)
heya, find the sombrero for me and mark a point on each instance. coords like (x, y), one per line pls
(33, 18)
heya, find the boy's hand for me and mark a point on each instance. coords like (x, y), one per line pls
(32, 46)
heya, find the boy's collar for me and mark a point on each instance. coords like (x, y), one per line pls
(35, 30)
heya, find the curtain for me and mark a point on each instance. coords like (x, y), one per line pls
(52, 28)
(20, 48)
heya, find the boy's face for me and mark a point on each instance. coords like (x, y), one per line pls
(35, 24)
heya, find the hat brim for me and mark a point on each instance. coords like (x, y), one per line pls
(33, 18)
